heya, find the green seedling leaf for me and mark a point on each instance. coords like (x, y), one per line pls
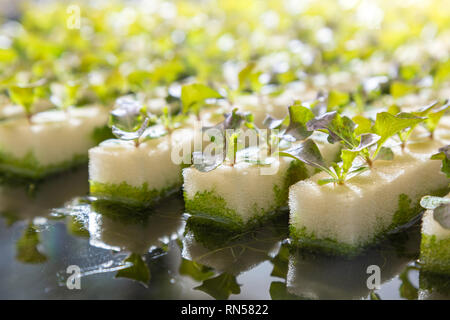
(248, 78)
(25, 94)
(387, 125)
(363, 125)
(298, 118)
(193, 95)
(444, 155)
(337, 99)
(435, 116)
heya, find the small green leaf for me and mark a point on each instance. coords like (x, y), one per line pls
(25, 94)
(399, 89)
(193, 95)
(363, 125)
(444, 155)
(386, 125)
(337, 99)
(138, 269)
(435, 116)
(347, 157)
(220, 287)
(298, 118)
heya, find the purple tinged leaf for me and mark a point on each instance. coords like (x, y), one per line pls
(307, 152)
(367, 140)
(339, 128)
(272, 123)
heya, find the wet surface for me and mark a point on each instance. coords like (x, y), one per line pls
(152, 255)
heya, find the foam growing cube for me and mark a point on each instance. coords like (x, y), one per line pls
(54, 141)
(240, 192)
(343, 219)
(120, 171)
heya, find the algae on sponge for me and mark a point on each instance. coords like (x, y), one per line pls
(435, 246)
(240, 194)
(138, 175)
(365, 208)
(55, 141)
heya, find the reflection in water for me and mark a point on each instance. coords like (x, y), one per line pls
(217, 267)
(434, 286)
(320, 277)
(141, 234)
(17, 203)
(109, 241)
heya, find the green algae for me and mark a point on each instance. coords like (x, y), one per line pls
(28, 169)
(435, 254)
(141, 196)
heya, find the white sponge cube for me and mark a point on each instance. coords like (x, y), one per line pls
(240, 192)
(54, 140)
(344, 218)
(118, 170)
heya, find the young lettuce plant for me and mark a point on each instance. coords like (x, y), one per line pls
(26, 95)
(431, 113)
(308, 152)
(360, 138)
(220, 135)
(193, 97)
(66, 95)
